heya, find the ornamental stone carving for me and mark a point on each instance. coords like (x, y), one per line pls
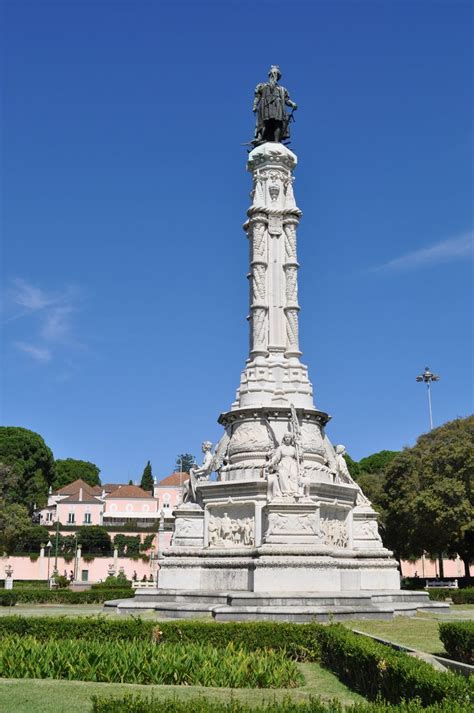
(249, 438)
(334, 532)
(292, 523)
(366, 530)
(227, 532)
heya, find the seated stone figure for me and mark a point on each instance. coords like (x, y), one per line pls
(201, 472)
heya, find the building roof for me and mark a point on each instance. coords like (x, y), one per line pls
(109, 487)
(129, 491)
(176, 479)
(74, 488)
(86, 498)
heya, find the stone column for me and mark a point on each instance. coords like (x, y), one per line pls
(291, 289)
(257, 233)
(271, 229)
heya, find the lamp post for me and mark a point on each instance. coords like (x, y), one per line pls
(49, 545)
(56, 549)
(427, 377)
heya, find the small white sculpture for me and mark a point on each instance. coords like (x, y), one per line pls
(343, 475)
(201, 472)
(226, 528)
(284, 460)
(213, 530)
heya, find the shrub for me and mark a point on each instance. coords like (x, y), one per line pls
(297, 641)
(8, 598)
(91, 627)
(374, 669)
(137, 704)
(147, 663)
(463, 596)
(458, 640)
(61, 581)
(439, 594)
(66, 596)
(118, 582)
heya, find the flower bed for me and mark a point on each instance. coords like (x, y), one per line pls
(146, 662)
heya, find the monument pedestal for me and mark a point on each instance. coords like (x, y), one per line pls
(284, 533)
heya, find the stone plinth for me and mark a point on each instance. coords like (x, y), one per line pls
(189, 526)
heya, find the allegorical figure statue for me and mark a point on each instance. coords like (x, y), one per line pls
(284, 460)
(272, 119)
(343, 475)
(199, 473)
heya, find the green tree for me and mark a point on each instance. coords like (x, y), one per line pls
(352, 466)
(94, 539)
(32, 462)
(147, 478)
(14, 524)
(377, 462)
(184, 463)
(428, 498)
(30, 540)
(70, 469)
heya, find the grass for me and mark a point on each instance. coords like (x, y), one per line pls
(416, 633)
(50, 696)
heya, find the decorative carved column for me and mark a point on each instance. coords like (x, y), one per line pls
(291, 289)
(258, 285)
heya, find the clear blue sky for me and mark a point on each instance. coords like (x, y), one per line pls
(125, 190)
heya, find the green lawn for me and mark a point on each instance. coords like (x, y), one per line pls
(418, 632)
(48, 696)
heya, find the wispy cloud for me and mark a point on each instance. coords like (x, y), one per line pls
(48, 316)
(38, 353)
(455, 248)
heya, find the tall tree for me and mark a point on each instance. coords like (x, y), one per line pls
(376, 462)
(32, 462)
(428, 496)
(147, 478)
(94, 539)
(70, 469)
(184, 463)
(15, 523)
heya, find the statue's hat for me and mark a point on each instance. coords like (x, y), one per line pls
(275, 66)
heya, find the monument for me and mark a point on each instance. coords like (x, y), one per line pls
(282, 531)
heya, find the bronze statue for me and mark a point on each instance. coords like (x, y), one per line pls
(269, 106)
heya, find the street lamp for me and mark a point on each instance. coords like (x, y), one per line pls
(49, 545)
(427, 377)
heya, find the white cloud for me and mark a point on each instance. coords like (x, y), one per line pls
(29, 297)
(41, 354)
(47, 315)
(455, 248)
(57, 323)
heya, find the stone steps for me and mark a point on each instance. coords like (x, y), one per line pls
(289, 606)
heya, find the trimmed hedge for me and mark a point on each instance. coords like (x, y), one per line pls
(298, 641)
(146, 662)
(458, 640)
(439, 594)
(374, 670)
(8, 598)
(463, 596)
(137, 704)
(459, 596)
(61, 596)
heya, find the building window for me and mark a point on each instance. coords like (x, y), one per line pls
(49, 516)
(71, 518)
(87, 518)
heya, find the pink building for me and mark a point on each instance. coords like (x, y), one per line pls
(169, 492)
(113, 504)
